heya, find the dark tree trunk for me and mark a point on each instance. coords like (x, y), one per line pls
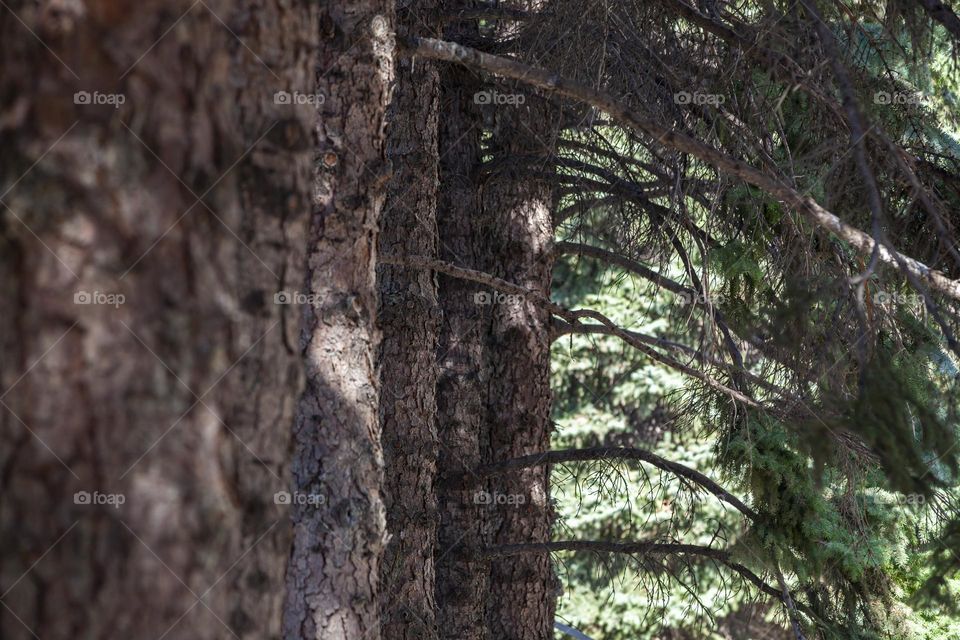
(461, 584)
(409, 319)
(522, 597)
(339, 519)
(189, 200)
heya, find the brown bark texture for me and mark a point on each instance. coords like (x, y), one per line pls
(154, 196)
(522, 599)
(408, 317)
(461, 575)
(339, 518)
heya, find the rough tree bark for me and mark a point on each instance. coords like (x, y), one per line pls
(409, 316)
(339, 520)
(144, 436)
(522, 599)
(461, 582)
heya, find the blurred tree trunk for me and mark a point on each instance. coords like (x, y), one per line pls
(409, 319)
(522, 598)
(154, 200)
(461, 584)
(339, 521)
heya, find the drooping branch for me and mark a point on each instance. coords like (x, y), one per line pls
(564, 328)
(776, 63)
(581, 206)
(858, 132)
(631, 548)
(773, 62)
(571, 316)
(670, 285)
(644, 548)
(772, 185)
(855, 120)
(617, 453)
(625, 335)
(577, 248)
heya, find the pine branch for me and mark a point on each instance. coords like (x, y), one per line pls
(630, 548)
(645, 548)
(768, 59)
(615, 330)
(573, 317)
(668, 137)
(564, 328)
(576, 248)
(616, 453)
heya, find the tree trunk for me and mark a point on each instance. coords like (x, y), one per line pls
(462, 576)
(409, 318)
(522, 598)
(338, 517)
(152, 205)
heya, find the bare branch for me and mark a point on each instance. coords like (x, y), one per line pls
(626, 336)
(573, 317)
(631, 548)
(617, 453)
(643, 548)
(588, 329)
(625, 263)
